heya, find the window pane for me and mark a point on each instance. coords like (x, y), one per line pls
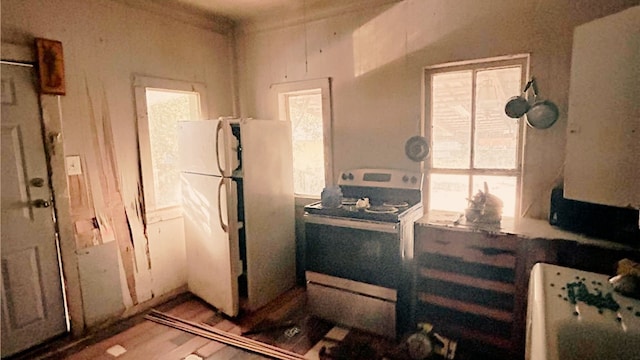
(504, 187)
(451, 119)
(448, 192)
(305, 114)
(496, 134)
(165, 108)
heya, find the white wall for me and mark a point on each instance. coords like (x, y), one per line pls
(105, 43)
(376, 56)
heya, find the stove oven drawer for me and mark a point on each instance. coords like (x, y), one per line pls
(352, 304)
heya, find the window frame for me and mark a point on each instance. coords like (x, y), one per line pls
(141, 83)
(282, 91)
(475, 66)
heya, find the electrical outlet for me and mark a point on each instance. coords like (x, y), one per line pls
(73, 165)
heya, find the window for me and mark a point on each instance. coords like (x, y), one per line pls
(472, 139)
(307, 106)
(160, 105)
(304, 110)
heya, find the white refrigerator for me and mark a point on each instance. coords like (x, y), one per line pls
(237, 186)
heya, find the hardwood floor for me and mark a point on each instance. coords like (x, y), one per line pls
(283, 323)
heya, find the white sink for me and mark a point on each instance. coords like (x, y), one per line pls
(583, 341)
(585, 328)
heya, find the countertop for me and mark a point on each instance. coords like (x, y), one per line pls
(575, 314)
(523, 228)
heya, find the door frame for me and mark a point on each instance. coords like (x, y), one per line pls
(51, 118)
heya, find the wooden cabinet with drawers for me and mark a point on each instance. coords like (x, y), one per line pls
(467, 286)
(471, 282)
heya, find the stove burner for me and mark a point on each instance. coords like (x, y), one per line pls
(351, 208)
(349, 201)
(383, 209)
(396, 204)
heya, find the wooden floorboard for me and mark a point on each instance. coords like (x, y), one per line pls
(284, 323)
(154, 347)
(149, 340)
(209, 349)
(189, 347)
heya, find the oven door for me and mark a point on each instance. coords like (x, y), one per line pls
(364, 251)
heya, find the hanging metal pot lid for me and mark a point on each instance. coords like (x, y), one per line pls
(417, 148)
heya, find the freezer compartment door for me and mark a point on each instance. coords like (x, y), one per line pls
(212, 244)
(207, 147)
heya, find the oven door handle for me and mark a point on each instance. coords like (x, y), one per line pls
(353, 224)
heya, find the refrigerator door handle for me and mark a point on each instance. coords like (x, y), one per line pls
(218, 131)
(222, 224)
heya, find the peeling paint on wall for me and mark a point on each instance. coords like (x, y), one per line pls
(112, 219)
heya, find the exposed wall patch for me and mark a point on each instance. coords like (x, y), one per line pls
(112, 211)
(82, 213)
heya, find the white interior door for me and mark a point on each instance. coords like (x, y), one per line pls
(211, 239)
(32, 302)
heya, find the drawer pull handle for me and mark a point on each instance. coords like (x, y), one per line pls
(442, 242)
(492, 251)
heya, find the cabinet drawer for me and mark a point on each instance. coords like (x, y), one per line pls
(489, 321)
(470, 247)
(471, 252)
(466, 280)
(457, 265)
(468, 293)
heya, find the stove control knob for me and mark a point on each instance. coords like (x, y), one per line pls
(414, 179)
(405, 178)
(347, 176)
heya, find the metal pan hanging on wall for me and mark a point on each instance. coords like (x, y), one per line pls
(543, 113)
(417, 148)
(517, 106)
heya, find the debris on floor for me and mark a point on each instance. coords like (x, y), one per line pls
(116, 350)
(193, 357)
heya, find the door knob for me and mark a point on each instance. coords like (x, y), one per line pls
(40, 203)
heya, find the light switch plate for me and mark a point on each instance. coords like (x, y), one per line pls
(73, 165)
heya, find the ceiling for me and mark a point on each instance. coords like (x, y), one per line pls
(239, 10)
(251, 10)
